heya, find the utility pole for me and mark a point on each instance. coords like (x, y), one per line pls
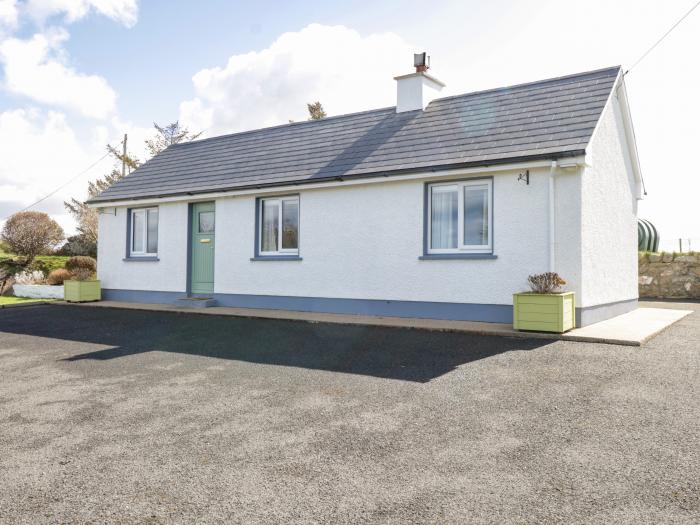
(124, 157)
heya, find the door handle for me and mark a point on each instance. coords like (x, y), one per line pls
(205, 241)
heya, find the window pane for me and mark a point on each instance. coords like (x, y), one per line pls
(137, 218)
(476, 216)
(152, 233)
(290, 225)
(443, 219)
(206, 222)
(270, 226)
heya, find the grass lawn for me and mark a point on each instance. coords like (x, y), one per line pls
(17, 300)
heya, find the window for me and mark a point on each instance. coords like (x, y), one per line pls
(460, 217)
(206, 222)
(144, 232)
(279, 226)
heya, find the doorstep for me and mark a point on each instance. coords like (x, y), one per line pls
(632, 328)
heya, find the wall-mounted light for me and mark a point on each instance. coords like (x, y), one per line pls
(525, 177)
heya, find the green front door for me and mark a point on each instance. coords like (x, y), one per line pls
(202, 263)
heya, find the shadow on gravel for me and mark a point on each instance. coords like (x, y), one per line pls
(394, 353)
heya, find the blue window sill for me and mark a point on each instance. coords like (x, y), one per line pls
(448, 256)
(276, 258)
(140, 259)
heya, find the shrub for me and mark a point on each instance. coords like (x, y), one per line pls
(58, 276)
(545, 282)
(81, 262)
(82, 274)
(78, 245)
(31, 233)
(48, 263)
(28, 277)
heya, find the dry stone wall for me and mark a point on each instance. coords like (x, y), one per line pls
(668, 275)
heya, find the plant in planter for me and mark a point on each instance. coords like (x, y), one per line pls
(82, 286)
(546, 308)
(30, 277)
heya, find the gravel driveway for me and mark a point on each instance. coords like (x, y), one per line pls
(120, 416)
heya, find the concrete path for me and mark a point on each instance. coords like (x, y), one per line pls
(633, 328)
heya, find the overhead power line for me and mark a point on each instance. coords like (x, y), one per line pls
(674, 26)
(75, 177)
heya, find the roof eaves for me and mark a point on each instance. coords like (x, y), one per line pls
(388, 174)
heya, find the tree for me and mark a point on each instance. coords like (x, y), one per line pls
(316, 111)
(31, 233)
(78, 245)
(168, 135)
(85, 216)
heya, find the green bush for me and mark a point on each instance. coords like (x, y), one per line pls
(10, 265)
(82, 262)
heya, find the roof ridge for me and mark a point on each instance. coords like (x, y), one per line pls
(524, 84)
(377, 110)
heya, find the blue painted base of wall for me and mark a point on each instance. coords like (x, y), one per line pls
(493, 313)
(490, 313)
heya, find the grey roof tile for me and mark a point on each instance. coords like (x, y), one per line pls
(547, 119)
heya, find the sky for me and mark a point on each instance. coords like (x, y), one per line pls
(76, 75)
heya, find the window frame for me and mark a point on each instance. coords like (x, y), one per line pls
(460, 186)
(280, 252)
(132, 225)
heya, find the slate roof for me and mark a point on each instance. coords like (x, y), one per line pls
(548, 119)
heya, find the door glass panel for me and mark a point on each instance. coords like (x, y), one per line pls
(290, 225)
(443, 218)
(137, 219)
(476, 216)
(152, 233)
(206, 222)
(270, 226)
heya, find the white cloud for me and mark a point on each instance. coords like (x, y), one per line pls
(36, 68)
(8, 14)
(40, 152)
(122, 11)
(344, 70)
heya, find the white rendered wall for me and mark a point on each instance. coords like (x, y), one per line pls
(567, 229)
(169, 274)
(364, 242)
(609, 215)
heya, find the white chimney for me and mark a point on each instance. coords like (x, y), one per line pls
(416, 90)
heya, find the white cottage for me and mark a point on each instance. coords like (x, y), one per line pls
(435, 208)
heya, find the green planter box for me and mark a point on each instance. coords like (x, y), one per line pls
(81, 291)
(554, 312)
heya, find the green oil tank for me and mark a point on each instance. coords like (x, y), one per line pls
(647, 236)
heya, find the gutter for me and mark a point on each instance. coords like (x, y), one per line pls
(533, 161)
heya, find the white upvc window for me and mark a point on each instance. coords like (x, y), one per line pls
(279, 226)
(460, 217)
(143, 234)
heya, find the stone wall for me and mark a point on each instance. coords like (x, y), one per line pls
(669, 275)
